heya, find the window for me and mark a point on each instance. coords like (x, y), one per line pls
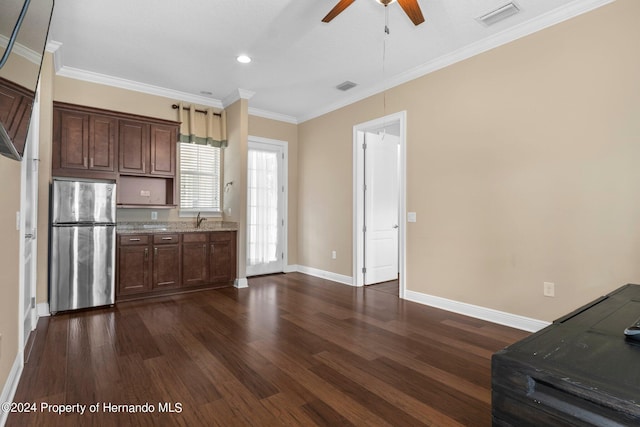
(199, 178)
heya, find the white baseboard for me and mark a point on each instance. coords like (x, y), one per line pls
(10, 387)
(241, 283)
(488, 314)
(335, 277)
(43, 309)
(290, 268)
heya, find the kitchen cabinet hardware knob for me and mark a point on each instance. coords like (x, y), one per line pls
(167, 238)
(146, 254)
(134, 240)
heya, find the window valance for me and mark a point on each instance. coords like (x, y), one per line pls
(202, 128)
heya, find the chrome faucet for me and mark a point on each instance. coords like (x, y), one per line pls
(199, 220)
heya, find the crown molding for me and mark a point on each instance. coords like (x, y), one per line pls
(52, 46)
(570, 10)
(21, 50)
(273, 116)
(90, 76)
(237, 95)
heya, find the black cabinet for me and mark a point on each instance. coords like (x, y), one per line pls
(579, 371)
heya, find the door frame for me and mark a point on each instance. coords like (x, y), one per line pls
(30, 160)
(358, 202)
(284, 146)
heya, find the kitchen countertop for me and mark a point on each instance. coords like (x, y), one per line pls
(174, 227)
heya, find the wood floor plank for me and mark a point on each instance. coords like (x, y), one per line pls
(290, 350)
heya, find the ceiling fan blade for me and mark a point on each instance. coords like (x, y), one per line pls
(337, 10)
(412, 9)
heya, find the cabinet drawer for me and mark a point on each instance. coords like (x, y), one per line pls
(194, 238)
(159, 239)
(134, 239)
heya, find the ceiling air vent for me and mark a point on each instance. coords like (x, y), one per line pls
(497, 15)
(346, 86)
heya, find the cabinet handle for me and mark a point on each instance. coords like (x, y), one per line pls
(155, 251)
(212, 247)
(84, 162)
(167, 238)
(91, 162)
(134, 240)
(146, 254)
(144, 166)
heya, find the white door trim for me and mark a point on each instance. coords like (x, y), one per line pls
(29, 161)
(284, 146)
(358, 202)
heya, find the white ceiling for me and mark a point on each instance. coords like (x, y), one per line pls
(190, 46)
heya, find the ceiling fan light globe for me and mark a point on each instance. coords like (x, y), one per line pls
(386, 2)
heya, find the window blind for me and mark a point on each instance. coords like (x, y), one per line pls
(199, 177)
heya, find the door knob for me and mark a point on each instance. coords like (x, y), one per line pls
(396, 226)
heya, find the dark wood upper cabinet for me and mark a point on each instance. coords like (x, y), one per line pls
(138, 152)
(73, 129)
(133, 146)
(103, 134)
(163, 150)
(15, 111)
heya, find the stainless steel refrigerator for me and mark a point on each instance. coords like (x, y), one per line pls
(83, 249)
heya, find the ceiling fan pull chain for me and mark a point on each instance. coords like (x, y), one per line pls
(386, 20)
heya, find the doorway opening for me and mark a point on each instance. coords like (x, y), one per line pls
(379, 205)
(266, 206)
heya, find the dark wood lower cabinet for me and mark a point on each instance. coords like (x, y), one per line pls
(580, 371)
(166, 266)
(153, 264)
(222, 255)
(134, 265)
(194, 259)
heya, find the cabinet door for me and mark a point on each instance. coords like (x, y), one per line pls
(133, 147)
(163, 150)
(133, 269)
(194, 263)
(166, 266)
(222, 257)
(103, 132)
(9, 103)
(74, 140)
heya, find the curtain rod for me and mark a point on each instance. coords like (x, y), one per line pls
(176, 106)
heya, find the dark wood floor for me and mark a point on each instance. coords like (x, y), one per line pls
(290, 350)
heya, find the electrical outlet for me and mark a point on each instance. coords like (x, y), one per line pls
(549, 289)
(154, 215)
(411, 217)
(333, 255)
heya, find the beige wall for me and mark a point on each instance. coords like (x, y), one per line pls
(235, 172)
(266, 128)
(522, 168)
(9, 264)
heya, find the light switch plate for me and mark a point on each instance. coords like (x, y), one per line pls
(411, 216)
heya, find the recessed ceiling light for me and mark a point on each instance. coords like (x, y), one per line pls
(243, 59)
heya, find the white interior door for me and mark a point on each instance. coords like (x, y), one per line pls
(28, 226)
(266, 196)
(381, 207)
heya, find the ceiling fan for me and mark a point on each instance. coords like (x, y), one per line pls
(410, 7)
